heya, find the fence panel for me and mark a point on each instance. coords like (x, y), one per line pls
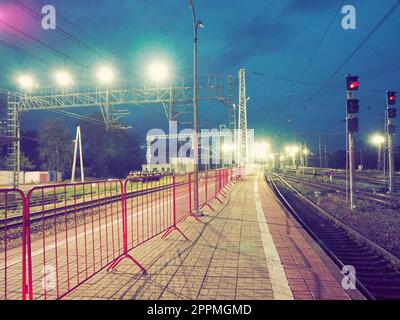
(184, 196)
(12, 245)
(75, 230)
(211, 185)
(149, 209)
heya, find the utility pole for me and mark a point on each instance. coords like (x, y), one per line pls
(320, 152)
(380, 157)
(391, 131)
(385, 150)
(242, 121)
(78, 143)
(351, 128)
(196, 25)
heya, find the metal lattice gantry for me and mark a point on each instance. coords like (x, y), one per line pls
(243, 152)
(94, 96)
(176, 99)
(229, 136)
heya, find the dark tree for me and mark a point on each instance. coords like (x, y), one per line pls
(55, 146)
(30, 147)
(111, 153)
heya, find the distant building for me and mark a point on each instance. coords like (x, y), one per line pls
(176, 165)
(30, 177)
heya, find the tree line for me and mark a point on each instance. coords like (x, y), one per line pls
(106, 153)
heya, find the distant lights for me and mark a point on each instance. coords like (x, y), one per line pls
(26, 82)
(63, 78)
(105, 74)
(158, 71)
(262, 149)
(228, 147)
(378, 139)
(292, 150)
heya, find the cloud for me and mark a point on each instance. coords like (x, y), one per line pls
(263, 34)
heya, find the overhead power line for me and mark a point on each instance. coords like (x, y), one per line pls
(72, 37)
(20, 50)
(315, 51)
(351, 55)
(89, 36)
(54, 50)
(307, 83)
(59, 30)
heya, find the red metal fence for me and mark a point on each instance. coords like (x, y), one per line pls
(58, 236)
(74, 231)
(148, 209)
(12, 245)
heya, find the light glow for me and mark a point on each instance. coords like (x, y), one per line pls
(158, 71)
(63, 78)
(261, 150)
(26, 82)
(228, 147)
(377, 139)
(105, 74)
(292, 150)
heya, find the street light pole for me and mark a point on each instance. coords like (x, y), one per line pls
(379, 157)
(196, 25)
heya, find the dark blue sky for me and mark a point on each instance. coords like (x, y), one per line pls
(271, 39)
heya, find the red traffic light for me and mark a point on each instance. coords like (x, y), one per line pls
(391, 98)
(352, 83)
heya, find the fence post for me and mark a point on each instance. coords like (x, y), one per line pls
(174, 226)
(206, 186)
(219, 180)
(216, 183)
(27, 239)
(124, 218)
(24, 248)
(190, 191)
(125, 255)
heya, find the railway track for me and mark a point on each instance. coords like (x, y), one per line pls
(362, 177)
(377, 270)
(381, 198)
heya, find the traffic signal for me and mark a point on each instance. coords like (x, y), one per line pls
(391, 129)
(352, 125)
(352, 83)
(392, 113)
(391, 98)
(353, 106)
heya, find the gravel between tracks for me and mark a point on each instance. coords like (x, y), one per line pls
(378, 222)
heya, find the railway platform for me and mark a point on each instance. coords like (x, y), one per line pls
(249, 248)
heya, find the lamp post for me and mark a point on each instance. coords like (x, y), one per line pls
(196, 25)
(306, 153)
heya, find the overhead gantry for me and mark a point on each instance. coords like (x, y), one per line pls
(176, 99)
